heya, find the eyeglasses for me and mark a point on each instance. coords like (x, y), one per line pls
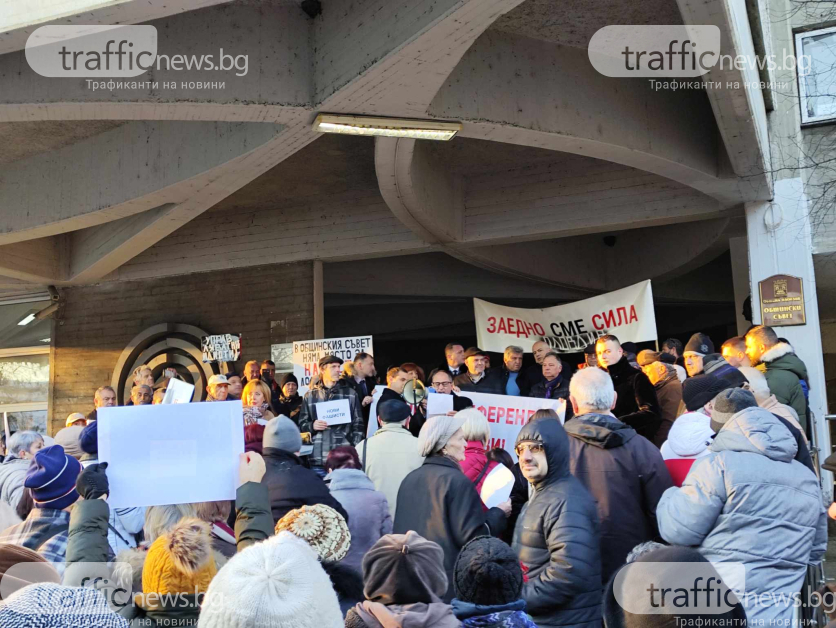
(534, 448)
(441, 384)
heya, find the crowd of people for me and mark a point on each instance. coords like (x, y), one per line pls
(685, 455)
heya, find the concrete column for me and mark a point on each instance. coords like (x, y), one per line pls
(740, 279)
(780, 242)
(318, 300)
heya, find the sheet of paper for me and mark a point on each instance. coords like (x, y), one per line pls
(171, 454)
(334, 412)
(497, 486)
(439, 404)
(178, 391)
(373, 426)
(561, 410)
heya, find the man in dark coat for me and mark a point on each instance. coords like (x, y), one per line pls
(442, 383)
(362, 380)
(290, 402)
(625, 474)
(668, 390)
(454, 360)
(289, 483)
(636, 402)
(478, 379)
(556, 536)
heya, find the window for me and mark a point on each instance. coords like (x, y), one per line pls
(816, 64)
(24, 388)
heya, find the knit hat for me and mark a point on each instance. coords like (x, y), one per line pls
(728, 403)
(20, 567)
(700, 389)
(289, 377)
(69, 439)
(321, 527)
(436, 432)
(180, 561)
(51, 476)
(487, 572)
(393, 411)
(49, 605)
(282, 433)
(404, 569)
(329, 359)
(699, 343)
(89, 438)
(278, 583)
(647, 356)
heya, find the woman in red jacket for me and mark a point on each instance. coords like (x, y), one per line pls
(477, 433)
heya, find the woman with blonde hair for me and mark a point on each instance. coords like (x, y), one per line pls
(256, 400)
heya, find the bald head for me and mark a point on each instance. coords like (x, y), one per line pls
(540, 349)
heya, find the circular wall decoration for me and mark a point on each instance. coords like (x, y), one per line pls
(167, 345)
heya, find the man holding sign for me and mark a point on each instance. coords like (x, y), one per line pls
(331, 412)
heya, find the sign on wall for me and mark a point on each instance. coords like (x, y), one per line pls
(627, 313)
(307, 353)
(221, 347)
(782, 301)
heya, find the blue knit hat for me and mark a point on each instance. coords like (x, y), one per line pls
(56, 606)
(89, 438)
(51, 476)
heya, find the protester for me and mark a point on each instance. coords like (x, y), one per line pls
(14, 576)
(590, 358)
(667, 358)
(290, 401)
(268, 376)
(69, 439)
(455, 364)
(552, 385)
(218, 388)
(362, 380)
(22, 449)
(142, 395)
(105, 397)
(159, 396)
(251, 373)
(714, 364)
(688, 440)
(367, 508)
(216, 515)
(254, 437)
(734, 352)
(414, 371)
(58, 606)
(557, 537)
(636, 403)
(625, 475)
(519, 492)
(758, 386)
(255, 399)
(783, 370)
(668, 390)
(477, 432)
(234, 387)
(442, 383)
(515, 385)
(403, 583)
(478, 379)
(392, 452)
(488, 582)
(396, 379)
(674, 347)
(438, 501)
(751, 502)
(698, 346)
(289, 483)
(326, 437)
(76, 418)
(534, 373)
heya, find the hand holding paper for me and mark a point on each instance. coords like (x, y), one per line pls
(333, 412)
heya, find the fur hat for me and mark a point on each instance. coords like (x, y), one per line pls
(278, 583)
(321, 527)
(49, 605)
(487, 572)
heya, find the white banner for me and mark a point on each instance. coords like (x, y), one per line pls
(627, 313)
(307, 353)
(506, 414)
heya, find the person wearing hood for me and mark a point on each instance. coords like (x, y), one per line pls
(625, 475)
(784, 371)
(367, 508)
(688, 440)
(488, 581)
(751, 502)
(437, 500)
(668, 390)
(636, 401)
(21, 450)
(557, 536)
(404, 582)
(699, 346)
(290, 401)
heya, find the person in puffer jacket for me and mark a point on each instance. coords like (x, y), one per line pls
(752, 503)
(688, 440)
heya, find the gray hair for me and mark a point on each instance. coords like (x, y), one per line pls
(101, 389)
(592, 389)
(160, 520)
(476, 426)
(512, 350)
(23, 441)
(437, 431)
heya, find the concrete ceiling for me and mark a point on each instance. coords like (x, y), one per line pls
(19, 140)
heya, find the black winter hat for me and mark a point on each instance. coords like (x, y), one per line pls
(699, 343)
(700, 389)
(487, 572)
(289, 377)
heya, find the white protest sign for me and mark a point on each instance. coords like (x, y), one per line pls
(627, 313)
(221, 347)
(371, 428)
(334, 412)
(171, 454)
(178, 391)
(497, 486)
(439, 404)
(307, 353)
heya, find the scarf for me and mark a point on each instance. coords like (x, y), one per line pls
(252, 414)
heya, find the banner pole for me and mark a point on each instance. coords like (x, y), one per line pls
(657, 345)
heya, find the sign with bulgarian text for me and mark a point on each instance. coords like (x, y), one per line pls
(626, 313)
(221, 347)
(782, 301)
(307, 354)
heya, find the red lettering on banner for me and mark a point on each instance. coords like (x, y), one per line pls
(307, 369)
(511, 329)
(622, 311)
(595, 325)
(491, 415)
(500, 329)
(609, 319)
(522, 417)
(529, 328)
(521, 328)
(500, 414)
(483, 410)
(491, 325)
(633, 315)
(497, 442)
(539, 329)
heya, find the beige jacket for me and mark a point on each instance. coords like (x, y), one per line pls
(785, 412)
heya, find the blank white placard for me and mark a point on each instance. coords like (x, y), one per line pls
(171, 453)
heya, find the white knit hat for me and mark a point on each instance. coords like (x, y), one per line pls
(55, 606)
(277, 583)
(437, 431)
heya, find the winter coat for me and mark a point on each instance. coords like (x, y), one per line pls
(688, 440)
(669, 395)
(751, 502)
(367, 509)
(522, 382)
(344, 434)
(291, 485)
(784, 373)
(474, 462)
(419, 615)
(560, 390)
(438, 502)
(531, 376)
(636, 403)
(557, 539)
(511, 615)
(492, 383)
(625, 475)
(803, 453)
(784, 411)
(393, 454)
(12, 474)
(290, 407)
(358, 389)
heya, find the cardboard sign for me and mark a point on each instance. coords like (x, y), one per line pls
(221, 347)
(178, 391)
(782, 301)
(627, 313)
(334, 412)
(307, 353)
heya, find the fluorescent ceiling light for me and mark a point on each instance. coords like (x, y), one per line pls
(28, 319)
(386, 127)
(45, 339)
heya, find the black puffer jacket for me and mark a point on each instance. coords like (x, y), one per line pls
(557, 539)
(636, 403)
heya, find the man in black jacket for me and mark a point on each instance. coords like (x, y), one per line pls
(363, 382)
(636, 402)
(454, 360)
(442, 383)
(513, 380)
(477, 379)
